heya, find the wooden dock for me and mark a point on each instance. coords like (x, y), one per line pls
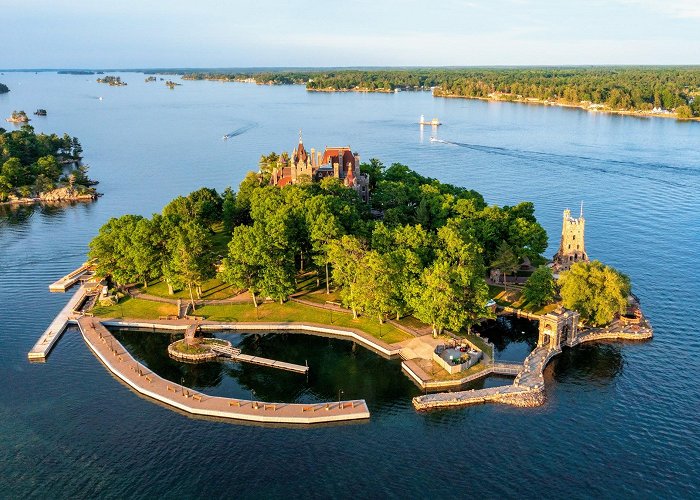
(71, 278)
(235, 354)
(137, 376)
(51, 335)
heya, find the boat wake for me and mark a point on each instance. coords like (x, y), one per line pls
(240, 130)
(589, 163)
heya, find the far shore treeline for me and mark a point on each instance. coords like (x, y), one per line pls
(624, 88)
(420, 247)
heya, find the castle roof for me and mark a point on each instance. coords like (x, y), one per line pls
(340, 155)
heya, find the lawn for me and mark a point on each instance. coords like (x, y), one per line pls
(220, 239)
(212, 289)
(136, 308)
(293, 311)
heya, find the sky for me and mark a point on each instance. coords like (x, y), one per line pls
(311, 33)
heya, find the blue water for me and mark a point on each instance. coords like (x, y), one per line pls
(621, 419)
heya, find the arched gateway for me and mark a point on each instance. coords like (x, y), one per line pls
(557, 328)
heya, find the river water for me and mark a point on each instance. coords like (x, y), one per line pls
(621, 419)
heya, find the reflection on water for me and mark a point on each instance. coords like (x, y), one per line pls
(336, 367)
(514, 338)
(589, 364)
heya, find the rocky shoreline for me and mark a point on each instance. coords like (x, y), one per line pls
(59, 195)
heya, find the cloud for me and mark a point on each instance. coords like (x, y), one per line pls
(680, 9)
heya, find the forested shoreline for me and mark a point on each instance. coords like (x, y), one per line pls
(41, 166)
(644, 90)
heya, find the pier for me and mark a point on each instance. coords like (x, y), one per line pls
(72, 278)
(137, 376)
(235, 355)
(51, 335)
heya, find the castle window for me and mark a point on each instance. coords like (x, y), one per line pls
(569, 247)
(577, 247)
(574, 236)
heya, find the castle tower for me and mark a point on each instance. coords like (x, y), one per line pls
(572, 247)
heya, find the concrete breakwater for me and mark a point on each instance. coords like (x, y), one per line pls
(137, 376)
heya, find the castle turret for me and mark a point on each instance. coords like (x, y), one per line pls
(572, 247)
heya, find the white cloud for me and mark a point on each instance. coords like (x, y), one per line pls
(680, 9)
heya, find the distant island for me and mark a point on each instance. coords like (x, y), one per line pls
(79, 72)
(172, 84)
(150, 79)
(644, 91)
(3, 89)
(18, 117)
(40, 167)
(114, 81)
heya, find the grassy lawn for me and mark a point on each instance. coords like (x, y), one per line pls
(136, 308)
(502, 298)
(220, 239)
(413, 323)
(441, 374)
(212, 289)
(292, 311)
(200, 348)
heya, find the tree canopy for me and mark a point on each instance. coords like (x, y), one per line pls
(421, 247)
(598, 292)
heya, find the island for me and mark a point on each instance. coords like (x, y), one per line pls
(4, 89)
(40, 112)
(113, 81)
(664, 91)
(18, 117)
(320, 243)
(42, 168)
(150, 79)
(172, 84)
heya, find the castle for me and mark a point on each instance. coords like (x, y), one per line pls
(572, 247)
(338, 162)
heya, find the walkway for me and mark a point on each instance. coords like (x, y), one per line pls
(528, 387)
(362, 338)
(235, 355)
(118, 361)
(71, 278)
(51, 335)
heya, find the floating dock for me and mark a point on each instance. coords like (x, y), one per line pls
(51, 335)
(137, 376)
(71, 278)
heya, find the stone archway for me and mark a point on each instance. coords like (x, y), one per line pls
(558, 328)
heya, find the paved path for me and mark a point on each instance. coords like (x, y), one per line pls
(365, 339)
(118, 360)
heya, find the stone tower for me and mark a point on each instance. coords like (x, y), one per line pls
(572, 247)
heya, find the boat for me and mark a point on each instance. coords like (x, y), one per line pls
(434, 122)
(435, 139)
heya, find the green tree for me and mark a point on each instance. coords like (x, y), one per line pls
(684, 112)
(435, 299)
(323, 227)
(243, 266)
(344, 255)
(595, 290)
(539, 288)
(505, 261)
(191, 257)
